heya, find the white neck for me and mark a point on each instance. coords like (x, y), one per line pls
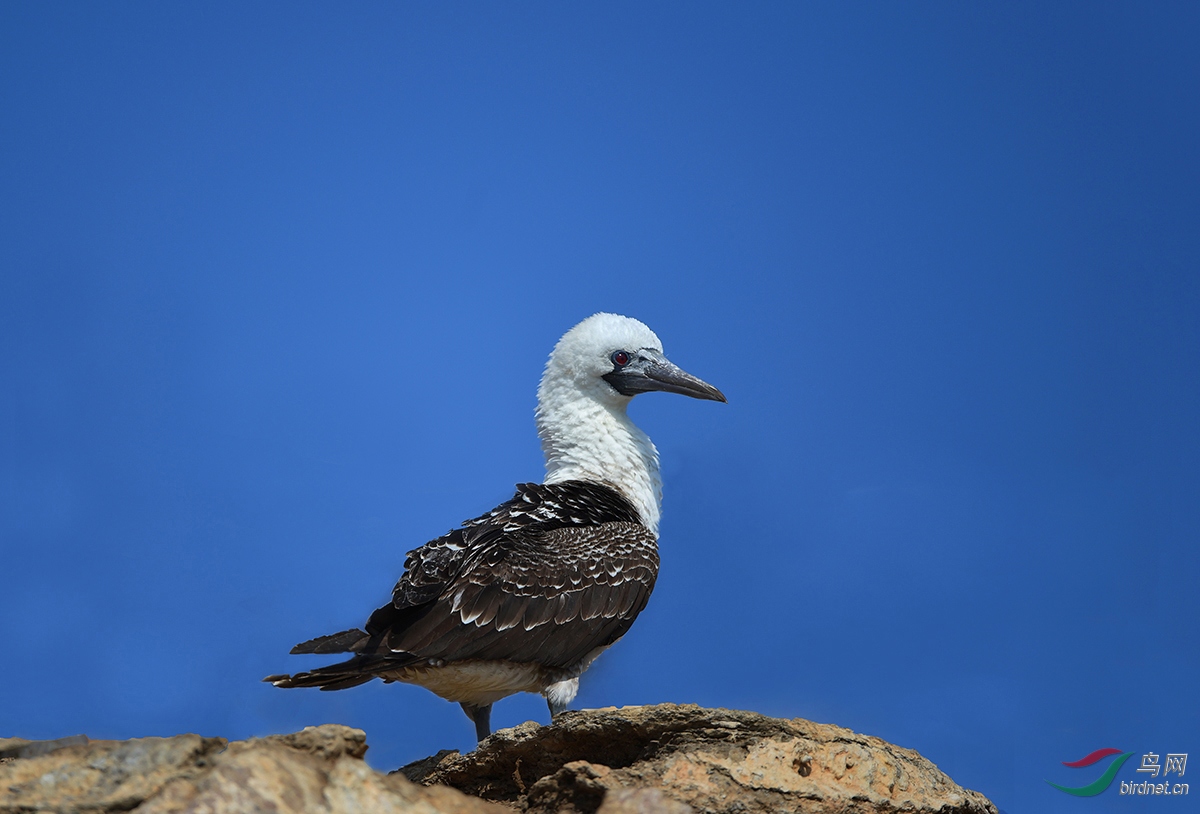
(586, 438)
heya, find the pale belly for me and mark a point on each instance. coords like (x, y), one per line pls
(475, 682)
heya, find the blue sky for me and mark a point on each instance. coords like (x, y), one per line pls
(277, 282)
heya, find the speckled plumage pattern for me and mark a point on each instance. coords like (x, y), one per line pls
(525, 597)
(550, 578)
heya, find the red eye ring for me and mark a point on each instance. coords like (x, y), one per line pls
(620, 358)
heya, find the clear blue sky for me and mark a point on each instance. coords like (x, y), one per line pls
(277, 283)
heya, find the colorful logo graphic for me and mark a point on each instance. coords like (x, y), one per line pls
(1174, 763)
(1103, 781)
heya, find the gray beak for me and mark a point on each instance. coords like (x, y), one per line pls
(649, 370)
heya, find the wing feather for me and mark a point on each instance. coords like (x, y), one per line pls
(592, 601)
(548, 577)
(536, 596)
(537, 613)
(511, 612)
(568, 607)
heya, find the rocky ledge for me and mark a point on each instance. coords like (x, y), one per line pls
(674, 757)
(666, 758)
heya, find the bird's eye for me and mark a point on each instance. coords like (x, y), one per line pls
(620, 358)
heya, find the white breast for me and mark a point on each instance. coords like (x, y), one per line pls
(473, 682)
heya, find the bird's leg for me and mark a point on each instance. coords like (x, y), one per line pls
(556, 709)
(559, 694)
(482, 716)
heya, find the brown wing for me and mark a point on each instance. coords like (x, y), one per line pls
(535, 508)
(549, 597)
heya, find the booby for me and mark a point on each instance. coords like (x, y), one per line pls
(525, 597)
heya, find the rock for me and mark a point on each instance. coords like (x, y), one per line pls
(317, 770)
(665, 759)
(641, 801)
(669, 757)
(19, 747)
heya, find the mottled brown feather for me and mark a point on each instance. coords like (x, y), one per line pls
(547, 577)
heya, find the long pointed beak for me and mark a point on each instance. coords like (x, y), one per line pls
(670, 378)
(650, 370)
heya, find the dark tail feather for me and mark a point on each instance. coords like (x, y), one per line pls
(349, 673)
(333, 680)
(346, 683)
(348, 641)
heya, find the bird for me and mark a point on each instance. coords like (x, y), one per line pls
(525, 597)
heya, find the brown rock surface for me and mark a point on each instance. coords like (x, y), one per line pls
(664, 759)
(317, 770)
(668, 757)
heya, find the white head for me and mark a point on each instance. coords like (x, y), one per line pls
(593, 373)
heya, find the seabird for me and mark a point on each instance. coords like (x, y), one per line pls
(525, 597)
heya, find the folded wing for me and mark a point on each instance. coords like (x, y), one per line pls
(547, 577)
